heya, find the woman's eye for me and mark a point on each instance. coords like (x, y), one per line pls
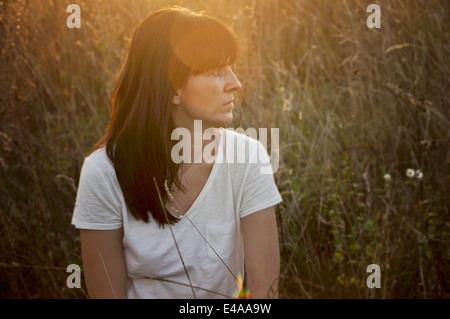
(218, 72)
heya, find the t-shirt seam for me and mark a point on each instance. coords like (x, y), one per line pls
(87, 225)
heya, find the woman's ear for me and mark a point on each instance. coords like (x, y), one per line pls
(176, 98)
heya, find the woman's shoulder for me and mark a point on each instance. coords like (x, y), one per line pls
(100, 161)
(243, 142)
(241, 136)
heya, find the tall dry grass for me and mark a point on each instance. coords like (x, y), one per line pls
(352, 105)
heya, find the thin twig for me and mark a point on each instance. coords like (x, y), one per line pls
(421, 268)
(417, 232)
(107, 275)
(186, 285)
(200, 233)
(173, 236)
(223, 262)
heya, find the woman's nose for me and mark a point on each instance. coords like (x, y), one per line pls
(233, 83)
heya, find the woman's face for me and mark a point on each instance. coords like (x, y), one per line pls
(206, 97)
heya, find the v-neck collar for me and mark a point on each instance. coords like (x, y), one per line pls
(210, 177)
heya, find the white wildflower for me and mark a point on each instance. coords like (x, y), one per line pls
(387, 177)
(410, 172)
(419, 174)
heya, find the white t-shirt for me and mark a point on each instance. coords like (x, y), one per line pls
(209, 228)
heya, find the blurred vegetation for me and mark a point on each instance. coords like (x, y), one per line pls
(353, 104)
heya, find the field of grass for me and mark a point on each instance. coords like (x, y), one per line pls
(352, 103)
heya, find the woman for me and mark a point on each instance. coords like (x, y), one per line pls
(152, 227)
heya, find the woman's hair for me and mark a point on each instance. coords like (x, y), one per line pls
(167, 47)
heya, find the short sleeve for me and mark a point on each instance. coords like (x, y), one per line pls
(260, 190)
(97, 205)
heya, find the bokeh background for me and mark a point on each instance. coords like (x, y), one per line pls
(356, 108)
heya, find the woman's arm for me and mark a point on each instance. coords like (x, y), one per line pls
(261, 253)
(104, 263)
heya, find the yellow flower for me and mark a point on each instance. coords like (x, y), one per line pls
(242, 292)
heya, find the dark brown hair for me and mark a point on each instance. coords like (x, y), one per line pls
(167, 47)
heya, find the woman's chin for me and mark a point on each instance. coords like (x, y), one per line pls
(227, 121)
(222, 121)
